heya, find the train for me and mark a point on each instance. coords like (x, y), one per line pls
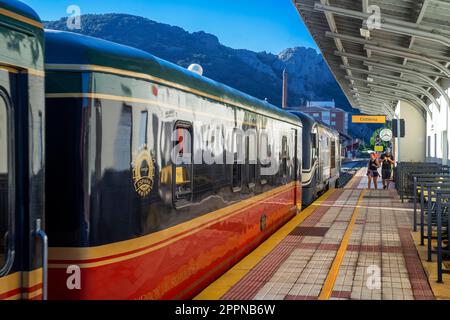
(321, 158)
(123, 176)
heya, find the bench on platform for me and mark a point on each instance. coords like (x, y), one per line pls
(405, 171)
(419, 181)
(434, 194)
(443, 222)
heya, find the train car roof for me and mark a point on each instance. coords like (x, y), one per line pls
(72, 49)
(323, 124)
(308, 121)
(19, 8)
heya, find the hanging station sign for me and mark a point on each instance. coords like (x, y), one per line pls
(368, 119)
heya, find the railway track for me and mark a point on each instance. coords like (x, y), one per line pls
(348, 171)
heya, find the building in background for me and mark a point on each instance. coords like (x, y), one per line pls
(326, 112)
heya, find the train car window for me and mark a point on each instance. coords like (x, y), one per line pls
(314, 145)
(284, 156)
(333, 154)
(313, 140)
(183, 168)
(40, 140)
(143, 133)
(251, 162)
(236, 175)
(6, 181)
(265, 145)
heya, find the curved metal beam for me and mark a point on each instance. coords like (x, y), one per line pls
(410, 56)
(377, 101)
(373, 99)
(368, 108)
(414, 86)
(368, 62)
(390, 64)
(415, 74)
(391, 25)
(363, 41)
(373, 73)
(406, 93)
(407, 86)
(371, 108)
(369, 99)
(379, 105)
(376, 104)
(399, 98)
(411, 73)
(364, 107)
(433, 33)
(411, 98)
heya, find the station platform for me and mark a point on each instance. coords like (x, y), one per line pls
(352, 243)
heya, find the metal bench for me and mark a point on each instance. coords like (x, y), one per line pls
(443, 221)
(428, 200)
(422, 178)
(405, 172)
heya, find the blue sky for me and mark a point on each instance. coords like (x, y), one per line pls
(258, 25)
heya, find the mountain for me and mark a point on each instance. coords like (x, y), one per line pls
(256, 73)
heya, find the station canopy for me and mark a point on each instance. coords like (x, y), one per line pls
(384, 51)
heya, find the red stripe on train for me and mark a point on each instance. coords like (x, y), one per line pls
(183, 268)
(146, 247)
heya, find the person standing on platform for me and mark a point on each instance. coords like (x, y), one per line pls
(372, 170)
(386, 169)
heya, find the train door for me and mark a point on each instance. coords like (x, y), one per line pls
(21, 188)
(314, 157)
(298, 136)
(295, 163)
(339, 155)
(9, 280)
(319, 177)
(333, 158)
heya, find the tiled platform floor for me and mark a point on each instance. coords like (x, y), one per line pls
(378, 260)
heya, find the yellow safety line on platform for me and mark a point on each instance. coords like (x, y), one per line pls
(348, 206)
(222, 285)
(328, 286)
(352, 180)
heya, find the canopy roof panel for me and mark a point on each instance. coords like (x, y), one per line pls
(402, 53)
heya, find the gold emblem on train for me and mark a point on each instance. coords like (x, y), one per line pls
(143, 172)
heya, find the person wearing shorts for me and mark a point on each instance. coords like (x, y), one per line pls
(386, 169)
(372, 171)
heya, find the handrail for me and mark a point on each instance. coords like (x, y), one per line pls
(44, 249)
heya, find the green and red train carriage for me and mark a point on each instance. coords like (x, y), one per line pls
(22, 151)
(92, 164)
